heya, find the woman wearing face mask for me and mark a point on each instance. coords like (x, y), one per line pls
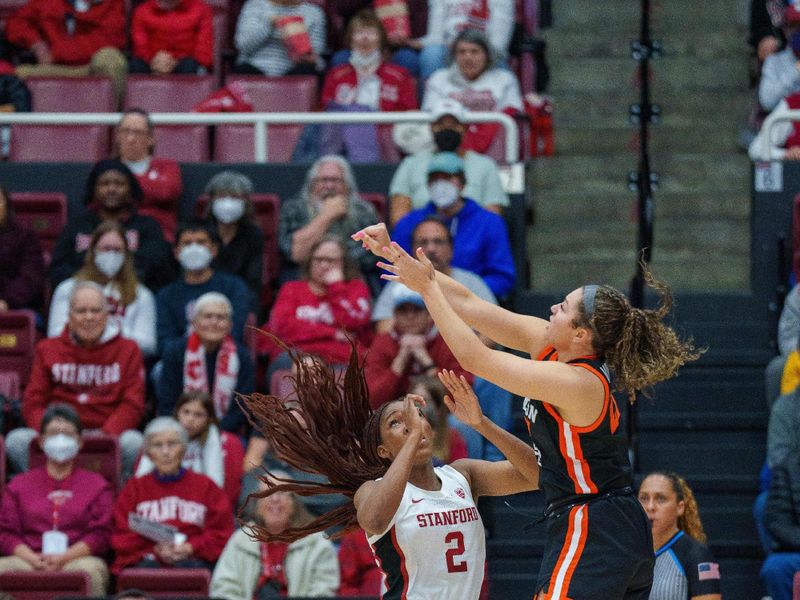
(685, 568)
(216, 454)
(113, 194)
(252, 569)
(367, 82)
(57, 517)
(241, 243)
(109, 263)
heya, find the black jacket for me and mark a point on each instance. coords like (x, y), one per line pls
(783, 506)
(14, 91)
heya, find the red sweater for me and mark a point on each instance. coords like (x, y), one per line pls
(104, 383)
(320, 324)
(384, 384)
(360, 574)
(193, 504)
(101, 26)
(398, 90)
(185, 31)
(161, 190)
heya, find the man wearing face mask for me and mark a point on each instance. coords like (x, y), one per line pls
(91, 368)
(409, 186)
(241, 242)
(195, 248)
(58, 517)
(480, 237)
(780, 75)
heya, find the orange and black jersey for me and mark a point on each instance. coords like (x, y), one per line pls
(576, 461)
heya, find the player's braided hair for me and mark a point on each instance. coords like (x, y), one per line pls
(329, 430)
(689, 521)
(638, 347)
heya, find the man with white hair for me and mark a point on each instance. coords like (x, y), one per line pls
(329, 203)
(208, 359)
(91, 368)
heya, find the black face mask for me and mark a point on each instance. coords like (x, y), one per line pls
(447, 140)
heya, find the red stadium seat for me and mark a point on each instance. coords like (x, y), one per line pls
(45, 213)
(166, 583)
(173, 93)
(796, 587)
(45, 585)
(17, 343)
(267, 208)
(377, 200)
(65, 143)
(221, 20)
(234, 143)
(99, 453)
(2, 464)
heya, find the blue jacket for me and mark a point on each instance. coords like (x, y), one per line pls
(480, 243)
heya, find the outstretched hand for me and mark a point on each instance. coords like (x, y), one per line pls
(374, 238)
(414, 273)
(412, 413)
(462, 401)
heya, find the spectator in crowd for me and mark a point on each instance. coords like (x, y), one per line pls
(172, 36)
(413, 347)
(109, 263)
(21, 261)
(72, 39)
(322, 312)
(169, 495)
(409, 186)
(366, 82)
(766, 19)
(216, 454)
(777, 139)
(58, 517)
(113, 194)
(433, 236)
(685, 568)
(446, 19)
(241, 248)
(360, 573)
(208, 360)
(480, 238)
(780, 76)
(195, 248)
(250, 569)
(788, 340)
(790, 378)
(280, 37)
(93, 369)
(448, 444)
(159, 178)
(328, 203)
(783, 524)
(473, 80)
(404, 45)
(14, 94)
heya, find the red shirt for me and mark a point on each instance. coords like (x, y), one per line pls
(360, 574)
(398, 90)
(102, 25)
(184, 31)
(161, 190)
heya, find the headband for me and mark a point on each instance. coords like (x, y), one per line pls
(589, 292)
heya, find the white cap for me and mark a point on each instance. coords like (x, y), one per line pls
(448, 106)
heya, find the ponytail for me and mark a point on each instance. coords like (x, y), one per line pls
(637, 346)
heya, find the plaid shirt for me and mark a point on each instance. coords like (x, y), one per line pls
(296, 214)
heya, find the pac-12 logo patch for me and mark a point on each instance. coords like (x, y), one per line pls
(460, 493)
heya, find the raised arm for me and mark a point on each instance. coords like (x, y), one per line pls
(518, 473)
(376, 502)
(519, 332)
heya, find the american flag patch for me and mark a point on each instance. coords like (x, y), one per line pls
(707, 570)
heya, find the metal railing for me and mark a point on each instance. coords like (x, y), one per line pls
(260, 120)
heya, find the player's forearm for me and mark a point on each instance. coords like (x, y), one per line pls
(517, 452)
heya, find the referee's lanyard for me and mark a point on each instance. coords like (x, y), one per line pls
(55, 541)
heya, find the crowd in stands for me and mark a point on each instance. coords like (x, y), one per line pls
(144, 316)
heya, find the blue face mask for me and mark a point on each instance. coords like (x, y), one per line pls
(794, 43)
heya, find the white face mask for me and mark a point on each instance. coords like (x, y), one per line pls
(443, 193)
(195, 257)
(109, 263)
(365, 62)
(60, 447)
(227, 209)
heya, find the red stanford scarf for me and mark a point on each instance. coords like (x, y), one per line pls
(226, 372)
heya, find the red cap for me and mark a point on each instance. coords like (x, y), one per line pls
(791, 14)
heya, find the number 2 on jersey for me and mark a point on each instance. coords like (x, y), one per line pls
(455, 551)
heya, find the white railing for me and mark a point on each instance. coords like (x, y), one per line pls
(259, 121)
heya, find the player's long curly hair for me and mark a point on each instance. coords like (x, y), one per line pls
(635, 343)
(329, 430)
(689, 521)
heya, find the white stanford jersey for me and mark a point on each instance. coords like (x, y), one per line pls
(434, 547)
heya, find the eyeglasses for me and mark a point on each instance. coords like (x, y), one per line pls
(86, 311)
(327, 180)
